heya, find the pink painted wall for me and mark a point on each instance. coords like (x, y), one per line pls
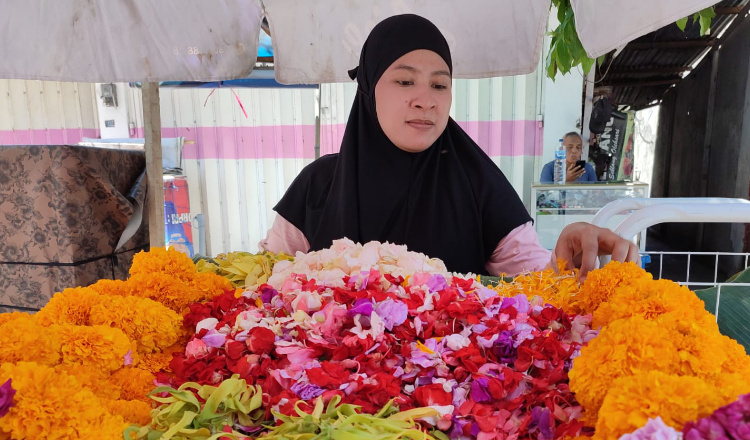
(496, 138)
(68, 136)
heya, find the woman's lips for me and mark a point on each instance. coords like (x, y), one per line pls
(420, 123)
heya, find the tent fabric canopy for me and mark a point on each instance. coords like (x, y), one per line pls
(313, 41)
(605, 25)
(128, 40)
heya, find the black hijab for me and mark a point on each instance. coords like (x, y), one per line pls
(449, 201)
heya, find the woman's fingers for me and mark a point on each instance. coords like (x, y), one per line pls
(581, 243)
(590, 247)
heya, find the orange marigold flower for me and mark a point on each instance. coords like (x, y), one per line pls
(165, 289)
(95, 380)
(151, 325)
(134, 412)
(554, 288)
(23, 339)
(166, 261)
(41, 394)
(211, 285)
(7, 317)
(600, 284)
(112, 287)
(98, 347)
(621, 349)
(159, 361)
(705, 353)
(71, 306)
(134, 383)
(632, 400)
(110, 428)
(650, 299)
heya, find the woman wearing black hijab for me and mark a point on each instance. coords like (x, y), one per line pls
(408, 174)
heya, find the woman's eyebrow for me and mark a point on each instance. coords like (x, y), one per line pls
(415, 70)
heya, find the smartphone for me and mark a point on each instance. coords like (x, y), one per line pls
(581, 164)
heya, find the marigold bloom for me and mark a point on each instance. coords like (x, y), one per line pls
(71, 306)
(134, 412)
(210, 284)
(49, 404)
(632, 400)
(621, 349)
(173, 293)
(134, 383)
(95, 380)
(166, 261)
(23, 339)
(558, 289)
(7, 317)
(651, 299)
(112, 287)
(148, 323)
(601, 284)
(98, 347)
(159, 361)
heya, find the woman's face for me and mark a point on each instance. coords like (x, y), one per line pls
(413, 100)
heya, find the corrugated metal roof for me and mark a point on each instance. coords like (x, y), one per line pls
(646, 68)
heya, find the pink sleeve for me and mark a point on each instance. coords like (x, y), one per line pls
(284, 237)
(518, 252)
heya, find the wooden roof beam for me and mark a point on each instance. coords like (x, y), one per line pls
(654, 70)
(679, 44)
(645, 83)
(729, 10)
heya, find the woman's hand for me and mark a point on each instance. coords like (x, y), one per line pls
(573, 172)
(580, 243)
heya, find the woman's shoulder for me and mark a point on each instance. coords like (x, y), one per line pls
(320, 170)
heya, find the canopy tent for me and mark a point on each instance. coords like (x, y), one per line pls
(313, 42)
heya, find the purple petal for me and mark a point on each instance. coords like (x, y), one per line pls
(479, 391)
(362, 306)
(214, 339)
(6, 397)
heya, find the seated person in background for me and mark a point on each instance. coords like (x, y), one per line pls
(574, 147)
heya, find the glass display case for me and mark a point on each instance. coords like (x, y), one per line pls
(555, 206)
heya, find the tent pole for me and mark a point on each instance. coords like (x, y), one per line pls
(152, 128)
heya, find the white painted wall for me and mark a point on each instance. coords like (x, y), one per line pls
(119, 114)
(562, 106)
(646, 128)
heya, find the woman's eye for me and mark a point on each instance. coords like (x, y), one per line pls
(405, 83)
(439, 86)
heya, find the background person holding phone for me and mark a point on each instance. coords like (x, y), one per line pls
(577, 170)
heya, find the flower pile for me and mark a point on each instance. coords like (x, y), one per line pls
(83, 365)
(335, 323)
(659, 353)
(370, 341)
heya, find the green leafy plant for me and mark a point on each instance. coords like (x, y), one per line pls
(704, 17)
(567, 52)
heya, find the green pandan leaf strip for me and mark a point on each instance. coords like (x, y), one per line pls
(185, 421)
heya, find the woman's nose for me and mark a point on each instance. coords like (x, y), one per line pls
(424, 99)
